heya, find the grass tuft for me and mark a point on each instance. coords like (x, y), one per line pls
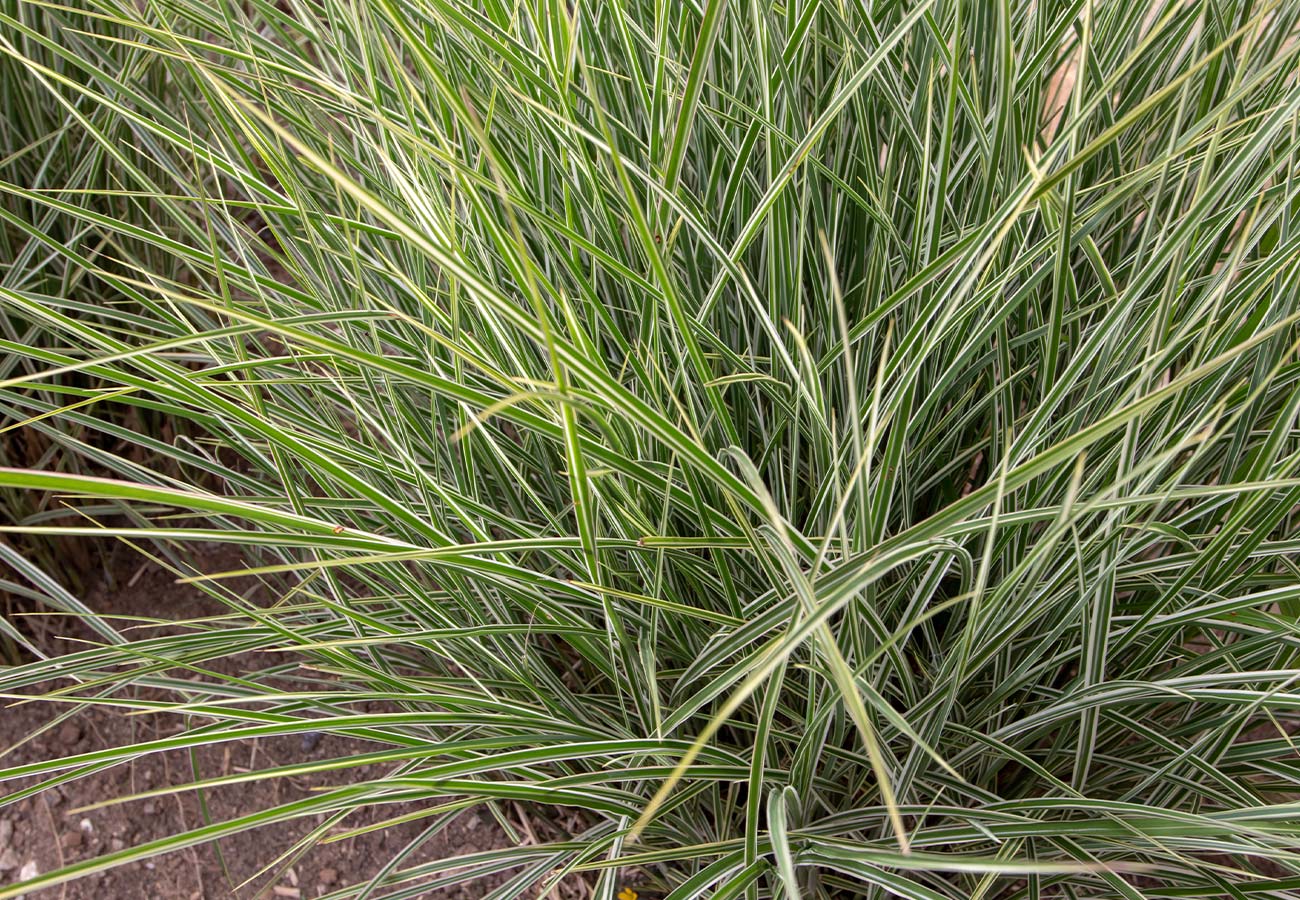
(842, 450)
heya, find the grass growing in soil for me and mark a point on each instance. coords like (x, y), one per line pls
(839, 449)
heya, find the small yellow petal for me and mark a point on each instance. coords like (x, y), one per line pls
(627, 894)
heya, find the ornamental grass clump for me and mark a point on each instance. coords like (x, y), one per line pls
(838, 449)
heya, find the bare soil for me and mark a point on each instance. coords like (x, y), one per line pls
(54, 828)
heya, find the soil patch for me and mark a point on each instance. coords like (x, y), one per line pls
(51, 829)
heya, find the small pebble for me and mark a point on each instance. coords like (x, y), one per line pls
(70, 732)
(8, 860)
(150, 808)
(6, 832)
(327, 876)
(72, 840)
(87, 826)
(29, 870)
(117, 844)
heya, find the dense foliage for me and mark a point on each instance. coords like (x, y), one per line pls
(846, 449)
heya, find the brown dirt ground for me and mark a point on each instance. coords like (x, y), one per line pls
(50, 829)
